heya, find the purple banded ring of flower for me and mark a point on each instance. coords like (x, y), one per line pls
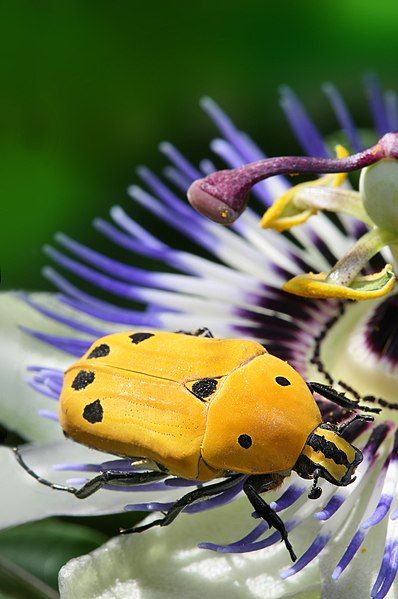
(223, 196)
(238, 293)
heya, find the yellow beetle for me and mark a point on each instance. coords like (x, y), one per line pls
(201, 408)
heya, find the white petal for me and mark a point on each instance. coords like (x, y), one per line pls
(19, 403)
(23, 498)
(163, 563)
(359, 577)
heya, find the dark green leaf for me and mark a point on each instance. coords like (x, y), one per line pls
(41, 548)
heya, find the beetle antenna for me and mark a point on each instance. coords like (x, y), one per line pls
(339, 398)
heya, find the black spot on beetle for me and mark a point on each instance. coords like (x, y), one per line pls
(281, 380)
(100, 351)
(204, 388)
(245, 441)
(93, 412)
(82, 379)
(138, 337)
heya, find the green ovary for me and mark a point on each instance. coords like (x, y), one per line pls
(378, 187)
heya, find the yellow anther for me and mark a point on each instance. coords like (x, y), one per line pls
(361, 288)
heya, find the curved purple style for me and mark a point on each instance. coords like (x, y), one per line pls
(223, 195)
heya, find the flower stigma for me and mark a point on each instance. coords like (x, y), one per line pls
(376, 205)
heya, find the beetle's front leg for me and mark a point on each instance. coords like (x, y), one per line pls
(254, 485)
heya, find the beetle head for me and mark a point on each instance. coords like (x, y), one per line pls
(327, 455)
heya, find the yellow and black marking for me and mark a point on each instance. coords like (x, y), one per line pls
(334, 456)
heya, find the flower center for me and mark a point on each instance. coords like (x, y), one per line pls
(357, 349)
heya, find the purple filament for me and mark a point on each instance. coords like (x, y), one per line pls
(75, 347)
(179, 160)
(315, 548)
(351, 550)
(246, 544)
(48, 414)
(387, 571)
(70, 322)
(199, 506)
(343, 116)
(303, 127)
(377, 104)
(177, 178)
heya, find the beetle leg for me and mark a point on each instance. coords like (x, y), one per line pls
(315, 491)
(37, 477)
(339, 398)
(202, 332)
(254, 485)
(123, 479)
(120, 479)
(188, 499)
(344, 425)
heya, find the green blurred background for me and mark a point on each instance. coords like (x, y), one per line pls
(90, 87)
